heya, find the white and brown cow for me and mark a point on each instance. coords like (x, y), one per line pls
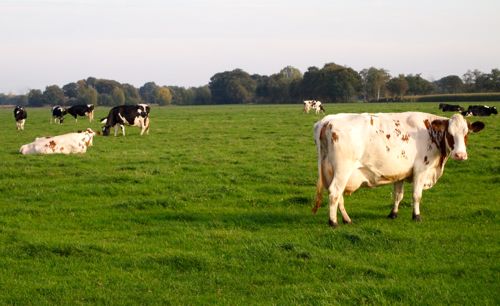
(369, 150)
(313, 104)
(61, 144)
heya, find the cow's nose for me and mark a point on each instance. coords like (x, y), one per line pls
(460, 156)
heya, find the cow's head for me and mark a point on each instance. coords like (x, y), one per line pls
(105, 130)
(88, 136)
(455, 131)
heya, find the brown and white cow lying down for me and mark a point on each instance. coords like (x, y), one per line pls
(63, 144)
(369, 150)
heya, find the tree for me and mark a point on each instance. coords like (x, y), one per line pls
(373, 82)
(163, 96)
(118, 96)
(470, 80)
(418, 86)
(131, 94)
(148, 92)
(71, 90)
(35, 98)
(232, 87)
(450, 84)
(88, 95)
(398, 86)
(53, 95)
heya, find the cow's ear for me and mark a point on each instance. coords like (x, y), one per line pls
(476, 126)
(439, 125)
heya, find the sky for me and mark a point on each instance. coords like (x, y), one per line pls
(186, 42)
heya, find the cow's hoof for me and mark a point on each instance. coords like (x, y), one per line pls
(347, 221)
(392, 215)
(417, 218)
(333, 224)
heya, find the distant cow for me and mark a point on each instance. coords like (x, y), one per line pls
(450, 107)
(481, 110)
(313, 104)
(369, 150)
(58, 113)
(135, 115)
(82, 110)
(62, 144)
(20, 115)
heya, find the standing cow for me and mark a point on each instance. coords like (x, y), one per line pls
(82, 110)
(58, 113)
(135, 115)
(369, 150)
(20, 115)
(313, 104)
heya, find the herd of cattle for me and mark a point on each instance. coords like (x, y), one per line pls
(354, 150)
(118, 117)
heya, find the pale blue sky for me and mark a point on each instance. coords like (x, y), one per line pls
(185, 42)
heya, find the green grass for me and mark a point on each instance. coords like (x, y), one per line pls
(214, 207)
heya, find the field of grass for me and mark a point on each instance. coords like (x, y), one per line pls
(214, 207)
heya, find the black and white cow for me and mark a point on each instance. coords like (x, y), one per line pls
(135, 115)
(58, 113)
(20, 115)
(450, 107)
(481, 110)
(82, 110)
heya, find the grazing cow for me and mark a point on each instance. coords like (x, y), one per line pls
(313, 104)
(20, 115)
(58, 113)
(369, 150)
(135, 115)
(62, 144)
(82, 110)
(481, 110)
(450, 107)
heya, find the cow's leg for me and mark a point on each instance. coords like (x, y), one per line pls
(417, 196)
(123, 129)
(336, 190)
(116, 130)
(345, 216)
(397, 196)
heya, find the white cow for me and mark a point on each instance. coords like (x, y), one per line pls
(62, 144)
(369, 150)
(313, 104)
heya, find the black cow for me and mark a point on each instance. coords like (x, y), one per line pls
(481, 110)
(82, 110)
(58, 113)
(135, 115)
(20, 115)
(450, 107)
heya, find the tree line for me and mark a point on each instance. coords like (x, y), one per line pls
(331, 83)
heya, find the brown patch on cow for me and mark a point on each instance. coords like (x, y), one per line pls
(406, 137)
(387, 148)
(397, 123)
(335, 137)
(61, 149)
(322, 132)
(398, 132)
(403, 154)
(388, 136)
(450, 140)
(466, 138)
(427, 124)
(426, 160)
(52, 145)
(371, 120)
(330, 172)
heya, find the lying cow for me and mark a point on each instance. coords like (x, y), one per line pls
(369, 150)
(450, 107)
(313, 104)
(20, 115)
(62, 144)
(135, 115)
(82, 110)
(481, 110)
(58, 113)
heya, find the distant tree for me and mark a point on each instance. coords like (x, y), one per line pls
(398, 86)
(88, 95)
(53, 95)
(488, 82)
(35, 98)
(131, 94)
(202, 95)
(470, 78)
(105, 99)
(105, 86)
(373, 82)
(163, 96)
(418, 85)
(148, 92)
(235, 86)
(118, 96)
(450, 84)
(71, 90)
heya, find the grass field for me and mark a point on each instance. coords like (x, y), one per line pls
(214, 207)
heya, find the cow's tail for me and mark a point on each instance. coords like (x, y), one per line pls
(321, 146)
